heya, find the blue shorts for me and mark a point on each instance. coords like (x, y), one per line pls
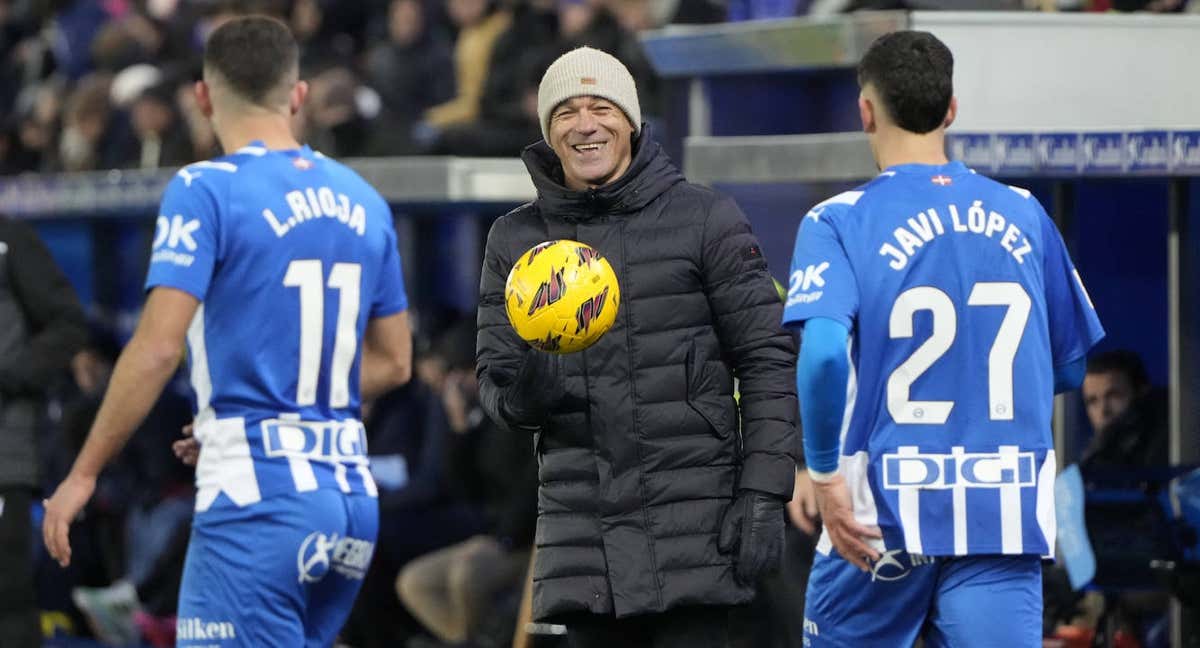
(978, 601)
(280, 572)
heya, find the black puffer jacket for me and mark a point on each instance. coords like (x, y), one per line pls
(638, 463)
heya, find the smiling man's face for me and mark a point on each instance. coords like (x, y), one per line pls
(593, 139)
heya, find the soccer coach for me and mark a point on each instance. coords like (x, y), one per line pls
(661, 500)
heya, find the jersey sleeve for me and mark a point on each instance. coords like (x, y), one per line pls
(822, 282)
(389, 297)
(186, 238)
(1074, 325)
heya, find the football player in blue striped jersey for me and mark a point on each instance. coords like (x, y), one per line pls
(279, 270)
(940, 314)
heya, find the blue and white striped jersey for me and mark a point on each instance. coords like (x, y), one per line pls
(961, 300)
(290, 254)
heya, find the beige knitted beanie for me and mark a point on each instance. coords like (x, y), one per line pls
(587, 71)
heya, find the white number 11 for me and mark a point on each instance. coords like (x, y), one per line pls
(945, 328)
(307, 275)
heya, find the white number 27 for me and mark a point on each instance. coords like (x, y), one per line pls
(945, 328)
(307, 275)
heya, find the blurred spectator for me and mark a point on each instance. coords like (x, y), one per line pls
(479, 24)
(1128, 416)
(156, 124)
(94, 135)
(507, 120)
(472, 588)
(34, 130)
(16, 26)
(1129, 422)
(413, 70)
(633, 15)
(329, 32)
(130, 82)
(336, 119)
(74, 27)
(145, 95)
(585, 23)
(129, 41)
(142, 509)
(307, 20)
(41, 326)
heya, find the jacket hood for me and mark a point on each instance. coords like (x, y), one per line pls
(649, 175)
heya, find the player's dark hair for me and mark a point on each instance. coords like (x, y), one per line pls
(913, 72)
(1121, 361)
(254, 55)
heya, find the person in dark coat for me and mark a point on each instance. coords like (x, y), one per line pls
(661, 499)
(1127, 413)
(41, 327)
(507, 119)
(413, 70)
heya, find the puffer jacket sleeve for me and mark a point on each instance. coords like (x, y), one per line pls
(498, 350)
(747, 313)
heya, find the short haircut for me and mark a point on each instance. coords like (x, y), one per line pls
(255, 55)
(1121, 361)
(913, 72)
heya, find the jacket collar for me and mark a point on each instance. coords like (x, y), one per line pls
(650, 174)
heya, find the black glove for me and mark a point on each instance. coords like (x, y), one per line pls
(753, 527)
(538, 387)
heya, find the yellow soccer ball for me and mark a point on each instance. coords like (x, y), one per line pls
(561, 296)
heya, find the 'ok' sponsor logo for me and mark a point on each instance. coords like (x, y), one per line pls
(173, 240)
(803, 282)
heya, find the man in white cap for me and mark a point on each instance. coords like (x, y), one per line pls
(661, 500)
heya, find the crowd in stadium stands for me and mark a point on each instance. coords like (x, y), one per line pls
(92, 84)
(96, 85)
